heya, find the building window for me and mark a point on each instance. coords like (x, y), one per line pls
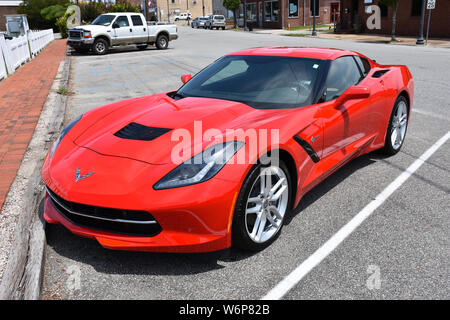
(293, 8)
(416, 8)
(271, 11)
(383, 10)
(311, 7)
(251, 11)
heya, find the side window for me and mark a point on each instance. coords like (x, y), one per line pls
(122, 21)
(137, 21)
(343, 74)
(363, 64)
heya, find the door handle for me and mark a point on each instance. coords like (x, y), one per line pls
(131, 30)
(145, 29)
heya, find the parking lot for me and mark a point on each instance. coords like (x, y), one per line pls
(405, 240)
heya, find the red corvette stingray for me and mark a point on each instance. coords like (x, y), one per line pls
(222, 160)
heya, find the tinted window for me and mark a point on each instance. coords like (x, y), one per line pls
(122, 21)
(137, 21)
(343, 74)
(383, 9)
(416, 8)
(363, 64)
(258, 81)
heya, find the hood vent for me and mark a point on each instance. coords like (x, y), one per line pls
(136, 131)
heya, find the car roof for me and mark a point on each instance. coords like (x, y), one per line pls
(297, 52)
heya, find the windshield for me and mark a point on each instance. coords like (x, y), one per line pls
(103, 20)
(264, 82)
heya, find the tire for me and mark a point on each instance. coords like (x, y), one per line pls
(246, 232)
(100, 46)
(223, 28)
(142, 47)
(162, 42)
(396, 130)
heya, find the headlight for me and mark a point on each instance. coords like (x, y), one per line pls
(87, 34)
(201, 167)
(62, 134)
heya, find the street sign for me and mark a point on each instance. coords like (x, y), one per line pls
(431, 4)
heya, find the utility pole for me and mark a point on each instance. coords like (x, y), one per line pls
(422, 20)
(168, 15)
(203, 7)
(314, 32)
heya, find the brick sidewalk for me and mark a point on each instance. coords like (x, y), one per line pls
(22, 97)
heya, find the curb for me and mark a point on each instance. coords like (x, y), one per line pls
(23, 274)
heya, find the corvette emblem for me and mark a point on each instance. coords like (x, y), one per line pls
(314, 138)
(78, 177)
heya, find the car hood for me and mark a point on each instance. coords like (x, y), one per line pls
(92, 28)
(170, 122)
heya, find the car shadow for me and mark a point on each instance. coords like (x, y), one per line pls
(113, 51)
(89, 251)
(332, 181)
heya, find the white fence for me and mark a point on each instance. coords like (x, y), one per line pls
(19, 50)
(39, 39)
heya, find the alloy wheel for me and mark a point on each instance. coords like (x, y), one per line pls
(267, 204)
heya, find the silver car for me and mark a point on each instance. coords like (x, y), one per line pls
(199, 22)
(215, 21)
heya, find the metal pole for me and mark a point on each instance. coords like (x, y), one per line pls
(314, 33)
(187, 11)
(203, 7)
(422, 18)
(245, 15)
(428, 26)
(168, 15)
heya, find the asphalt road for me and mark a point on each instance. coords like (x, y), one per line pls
(406, 240)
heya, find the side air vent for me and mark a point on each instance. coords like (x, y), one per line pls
(136, 131)
(379, 73)
(308, 148)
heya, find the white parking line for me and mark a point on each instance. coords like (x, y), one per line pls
(317, 257)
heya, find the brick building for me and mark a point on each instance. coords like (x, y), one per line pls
(175, 7)
(354, 17)
(279, 14)
(7, 7)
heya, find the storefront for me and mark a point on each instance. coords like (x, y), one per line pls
(277, 14)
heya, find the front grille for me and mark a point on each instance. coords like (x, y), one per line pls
(75, 34)
(136, 131)
(130, 222)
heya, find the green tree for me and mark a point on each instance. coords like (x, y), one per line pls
(394, 5)
(232, 5)
(53, 12)
(33, 8)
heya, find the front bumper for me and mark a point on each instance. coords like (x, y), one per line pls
(80, 43)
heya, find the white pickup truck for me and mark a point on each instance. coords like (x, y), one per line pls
(118, 29)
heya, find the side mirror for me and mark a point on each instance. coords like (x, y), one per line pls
(353, 93)
(115, 25)
(186, 77)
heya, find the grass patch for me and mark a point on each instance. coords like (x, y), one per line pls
(296, 34)
(310, 27)
(63, 90)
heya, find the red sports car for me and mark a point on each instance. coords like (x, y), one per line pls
(221, 161)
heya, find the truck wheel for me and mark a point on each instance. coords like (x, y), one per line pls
(162, 42)
(100, 46)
